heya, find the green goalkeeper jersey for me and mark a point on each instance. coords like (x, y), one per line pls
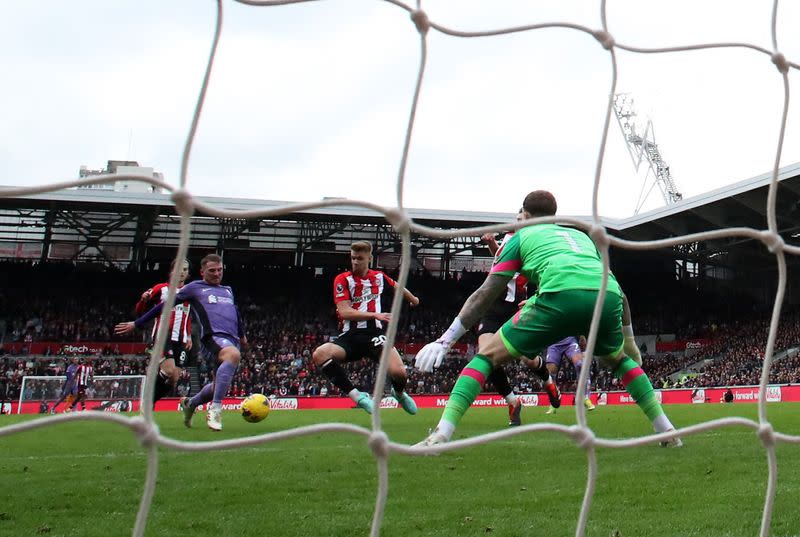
(555, 258)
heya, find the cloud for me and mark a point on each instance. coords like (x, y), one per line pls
(312, 100)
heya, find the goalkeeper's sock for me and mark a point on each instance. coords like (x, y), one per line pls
(466, 389)
(202, 397)
(636, 383)
(222, 380)
(499, 380)
(337, 375)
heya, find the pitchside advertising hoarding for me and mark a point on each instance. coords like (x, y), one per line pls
(741, 394)
(680, 345)
(78, 348)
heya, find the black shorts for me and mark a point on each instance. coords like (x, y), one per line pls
(177, 351)
(358, 344)
(497, 317)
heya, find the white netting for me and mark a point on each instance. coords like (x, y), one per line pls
(148, 433)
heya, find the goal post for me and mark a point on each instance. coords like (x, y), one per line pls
(119, 393)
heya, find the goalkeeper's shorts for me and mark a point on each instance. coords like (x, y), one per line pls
(554, 316)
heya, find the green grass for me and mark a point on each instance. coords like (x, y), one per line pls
(85, 479)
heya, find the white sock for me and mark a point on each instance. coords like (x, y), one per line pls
(216, 406)
(511, 399)
(445, 428)
(662, 424)
(354, 395)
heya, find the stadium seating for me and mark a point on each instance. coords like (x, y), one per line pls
(289, 311)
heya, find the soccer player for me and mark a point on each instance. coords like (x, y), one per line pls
(565, 265)
(571, 348)
(179, 339)
(357, 295)
(504, 307)
(68, 391)
(84, 375)
(221, 336)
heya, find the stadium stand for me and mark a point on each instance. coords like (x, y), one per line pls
(289, 312)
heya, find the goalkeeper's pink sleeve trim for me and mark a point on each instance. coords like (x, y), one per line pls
(507, 266)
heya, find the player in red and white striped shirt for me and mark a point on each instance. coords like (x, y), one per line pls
(83, 378)
(357, 295)
(179, 337)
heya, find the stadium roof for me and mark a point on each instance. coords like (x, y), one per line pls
(124, 201)
(99, 215)
(739, 204)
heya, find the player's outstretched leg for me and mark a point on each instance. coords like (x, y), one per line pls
(637, 384)
(78, 399)
(162, 388)
(587, 402)
(467, 387)
(62, 398)
(405, 401)
(189, 405)
(397, 372)
(540, 370)
(364, 402)
(222, 382)
(499, 379)
(327, 357)
(515, 414)
(214, 419)
(185, 406)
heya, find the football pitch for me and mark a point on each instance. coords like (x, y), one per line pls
(86, 479)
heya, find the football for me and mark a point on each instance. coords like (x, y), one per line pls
(255, 408)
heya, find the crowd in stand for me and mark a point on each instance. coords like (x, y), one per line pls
(736, 356)
(289, 312)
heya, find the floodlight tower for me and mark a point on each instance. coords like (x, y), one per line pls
(642, 147)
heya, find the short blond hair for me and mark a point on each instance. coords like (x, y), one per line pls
(364, 247)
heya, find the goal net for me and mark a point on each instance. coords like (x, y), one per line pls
(607, 46)
(113, 393)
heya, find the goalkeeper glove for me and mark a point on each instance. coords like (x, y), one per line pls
(432, 354)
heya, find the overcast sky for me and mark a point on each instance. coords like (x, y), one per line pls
(311, 100)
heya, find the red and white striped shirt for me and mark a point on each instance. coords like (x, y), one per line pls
(363, 293)
(84, 375)
(180, 325)
(517, 287)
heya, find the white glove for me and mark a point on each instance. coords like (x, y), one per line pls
(430, 356)
(632, 351)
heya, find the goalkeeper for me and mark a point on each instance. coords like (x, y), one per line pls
(565, 265)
